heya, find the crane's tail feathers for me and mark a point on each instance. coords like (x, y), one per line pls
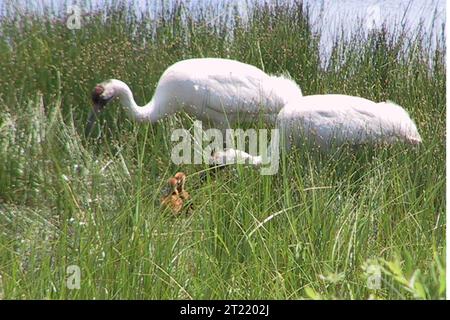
(291, 90)
(408, 128)
(414, 140)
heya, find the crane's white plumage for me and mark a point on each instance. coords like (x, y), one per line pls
(231, 156)
(224, 92)
(334, 119)
(338, 119)
(220, 92)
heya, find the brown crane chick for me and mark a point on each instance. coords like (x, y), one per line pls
(172, 200)
(181, 178)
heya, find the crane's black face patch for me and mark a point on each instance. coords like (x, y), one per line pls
(97, 99)
(99, 102)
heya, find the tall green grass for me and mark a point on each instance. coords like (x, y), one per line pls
(314, 230)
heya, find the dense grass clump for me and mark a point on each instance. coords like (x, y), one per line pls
(320, 228)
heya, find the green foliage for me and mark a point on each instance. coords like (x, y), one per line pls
(314, 230)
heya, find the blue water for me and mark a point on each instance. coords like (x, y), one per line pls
(349, 15)
(329, 17)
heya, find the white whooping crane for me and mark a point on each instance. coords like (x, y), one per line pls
(220, 92)
(334, 119)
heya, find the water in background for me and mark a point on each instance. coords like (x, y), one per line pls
(328, 17)
(336, 16)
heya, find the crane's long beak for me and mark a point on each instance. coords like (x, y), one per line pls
(91, 120)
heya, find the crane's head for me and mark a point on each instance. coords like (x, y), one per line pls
(181, 179)
(172, 185)
(101, 95)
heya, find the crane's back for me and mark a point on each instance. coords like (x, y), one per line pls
(325, 119)
(224, 91)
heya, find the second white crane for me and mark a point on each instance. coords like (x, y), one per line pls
(334, 119)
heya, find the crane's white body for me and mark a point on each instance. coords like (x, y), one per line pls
(333, 119)
(220, 92)
(337, 119)
(223, 93)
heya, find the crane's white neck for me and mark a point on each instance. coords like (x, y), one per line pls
(268, 156)
(147, 113)
(233, 156)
